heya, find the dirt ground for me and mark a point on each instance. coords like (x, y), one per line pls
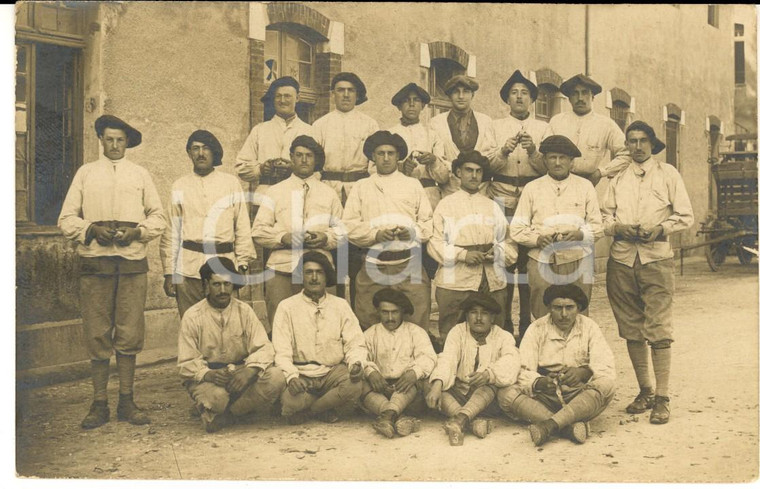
(712, 435)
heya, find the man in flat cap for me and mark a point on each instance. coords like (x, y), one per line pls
(207, 216)
(568, 370)
(264, 160)
(595, 135)
(558, 219)
(342, 134)
(461, 128)
(517, 163)
(421, 163)
(478, 361)
(645, 204)
(319, 346)
(239, 377)
(112, 211)
(401, 357)
(389, 214)
(470, 241)
(297, 215)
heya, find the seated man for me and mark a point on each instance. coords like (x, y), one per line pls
(400, 357)
(316, 336)
(477, 360)
(568, 371)
(224, 356)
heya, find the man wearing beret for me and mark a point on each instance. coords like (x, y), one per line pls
(389, 214)
(319, 346)
(208, 217)
(224, 356)
(400, 358)
(297, 215)
(470, 241)
(568, 370)
(645, 204)
(517, 163)
(477, 362)
(112, 211)
(421, 163)
(461, 128)
(558, 219)
(595, 135)
(263, 159)
(342, 134)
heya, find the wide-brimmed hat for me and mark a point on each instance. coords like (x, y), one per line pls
(657, 145)
(394, 297)
(134, 137)
(517, 77)
(567, 87)
(403, 94)
(205, 137)
(559, 144)
(361, 90)
(380, 138)
(480, 299)
(285, 81)
(462, 80)
(567, 291)
(471, 156)
(309, 142)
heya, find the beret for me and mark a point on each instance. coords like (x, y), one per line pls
(567, 87)
(463, 80)
(219, 264)
(657, 145)
(134, 137)
(323, 261)
(309, 142)
(209, 140)
(480, 299)
(361, 90)
(380, 138)
(395, 297)
(567, 291)
(403, 94)
(471, 157)
(559, 144)
(285, 81)
(517, 77)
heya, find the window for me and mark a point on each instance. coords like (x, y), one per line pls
(48, 109)
(441, 71)
(289, 53)
(547, 102)
(714, 134)
(619, 113)
(672, 125)
(738, 30)
(712, 15)
(739, 72)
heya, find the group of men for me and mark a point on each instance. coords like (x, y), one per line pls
(461, 205)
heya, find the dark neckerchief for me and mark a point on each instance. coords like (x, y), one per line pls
(522, 117)
(408, 122)
(480, 337)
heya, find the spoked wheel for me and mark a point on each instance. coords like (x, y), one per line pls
(716, 254)
(745, 257)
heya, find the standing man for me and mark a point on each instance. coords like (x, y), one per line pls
(319, 347)
(477, 362)
(297, 215)
(595, 135)
(390, 214)
(112, 211)
(421, 163)
(263, 160)
(224, 356)
(470, 242)
(517, 163)
(342, 134)
(558, 219)
(208, 217)
(645, 204)
(400, 359)
(568, 371)
(461, 128)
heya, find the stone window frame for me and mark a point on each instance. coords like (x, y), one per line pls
(452, 55)
(673, 118)
(621, 106)
(549, 100)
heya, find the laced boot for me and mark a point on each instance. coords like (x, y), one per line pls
(127, 410)
(384, 424)
(98, 415)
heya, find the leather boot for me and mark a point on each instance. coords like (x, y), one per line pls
(127, 410)
(98, 415)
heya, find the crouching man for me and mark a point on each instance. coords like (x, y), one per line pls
(478, 360)
(568, 371)
(400, 358)
(225, 358)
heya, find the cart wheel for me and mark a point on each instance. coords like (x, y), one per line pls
(745, 257)
(716, 255)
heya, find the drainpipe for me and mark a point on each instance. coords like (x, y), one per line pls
(588, 40)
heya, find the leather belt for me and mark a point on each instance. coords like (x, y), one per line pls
(116, 224)
(394, 255)
(481, 247)
(301, 364)
(659, 238)
(348, 176)
(270, 180)
(428, 182)
(214, 248)
(220, 365)
(516, 181)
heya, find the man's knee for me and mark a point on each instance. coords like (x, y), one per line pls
(271, 383)
(350, 391)
(506, 396)
(212, 397)
(605, 388)
(660, 344)
(292, 404)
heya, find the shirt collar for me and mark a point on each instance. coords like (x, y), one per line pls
(527, 117)
(556, 334)
(318, 304)
(643, 168)
(283, 122)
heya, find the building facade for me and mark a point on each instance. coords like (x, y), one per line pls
(169, 68)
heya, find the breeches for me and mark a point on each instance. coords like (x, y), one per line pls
(331, 391)
(257, 397)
